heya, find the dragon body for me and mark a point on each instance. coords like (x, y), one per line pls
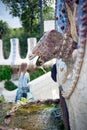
(70, 34)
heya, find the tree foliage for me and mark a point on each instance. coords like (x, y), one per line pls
(4, 29)
(29, 12)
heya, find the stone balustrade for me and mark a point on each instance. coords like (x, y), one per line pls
(14, 57)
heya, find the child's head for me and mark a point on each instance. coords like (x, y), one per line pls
(23, 67)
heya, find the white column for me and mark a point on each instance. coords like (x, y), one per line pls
(14, 58)
(31, 44)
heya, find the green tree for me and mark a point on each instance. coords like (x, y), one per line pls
(29, 13)
(4, 29)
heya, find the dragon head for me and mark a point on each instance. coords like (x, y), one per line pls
(53, 45)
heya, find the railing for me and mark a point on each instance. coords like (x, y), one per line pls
(14, 57)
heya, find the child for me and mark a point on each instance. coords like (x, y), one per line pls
(23, 82)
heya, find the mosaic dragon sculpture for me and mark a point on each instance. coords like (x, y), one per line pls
(70, 34)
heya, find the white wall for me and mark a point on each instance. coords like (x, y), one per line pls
(44, 87)
(49, 25)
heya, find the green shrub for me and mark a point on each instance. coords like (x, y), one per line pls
(10, 85)
(38, 73)
(5, 73)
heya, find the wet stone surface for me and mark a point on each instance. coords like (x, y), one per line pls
(38, 115)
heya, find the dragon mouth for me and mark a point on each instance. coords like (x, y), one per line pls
(37, 59)
(39, 62)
